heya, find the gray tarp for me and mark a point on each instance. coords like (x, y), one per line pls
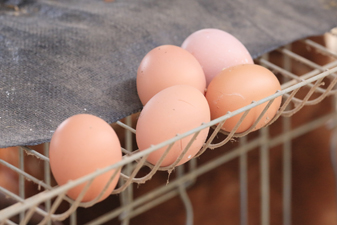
(60, 58)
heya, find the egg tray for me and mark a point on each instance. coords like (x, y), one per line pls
(317, 84)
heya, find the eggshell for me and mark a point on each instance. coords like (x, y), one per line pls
(174, 110)
(165, 66)
(216, 50)
(80, 145)
(238, 86)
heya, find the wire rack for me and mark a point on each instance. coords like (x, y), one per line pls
(314, 86)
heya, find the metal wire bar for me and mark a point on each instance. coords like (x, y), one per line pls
(10, 222)
(298, 79)
(303, 60)
(286, 125)
(192, 165)
(233, 131)
(187, 204)
(278, 114)
(183, 153)
(286, 172)
(127, 152)
(198, 171)
(73, 206)
(38, 155)
(184, 197)
(145, 206)
(21, 178)
(127, 195)
(98, 197)
(156, 167)
(10, 194)
(211, 138)
(171, 167)
(146, 202)
(126, 126)
(153, 203)
(47, 175)
(253, 126)
(305, 99)
(27, 217)
(243, 184)
(231, 134)
(53, 209)
(73, 218)
(294, 133)
(85, 204)
(137, 202)
(139, 165)
(25, 175)
(318, 99)
(264, 171)
(288, 74)
(124, 202)
(19, 199)
(319, 47)
(284, 106)
(287, 52)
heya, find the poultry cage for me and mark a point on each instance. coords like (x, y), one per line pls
(305, 83)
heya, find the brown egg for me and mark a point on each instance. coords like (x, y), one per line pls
(174, 110)
(236, 87)
(80, 145)
(166, 66)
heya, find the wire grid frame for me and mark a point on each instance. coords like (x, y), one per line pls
(318, 83)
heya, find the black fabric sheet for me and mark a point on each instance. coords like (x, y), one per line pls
(60, 58)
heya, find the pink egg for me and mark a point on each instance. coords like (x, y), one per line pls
(174, 110)
(216, 50)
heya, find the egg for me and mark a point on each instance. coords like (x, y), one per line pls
(166, 66)
(174, 110)
(216, 50)
(79, 146)
(236, 87)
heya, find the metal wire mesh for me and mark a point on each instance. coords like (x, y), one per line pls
(318, 84)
